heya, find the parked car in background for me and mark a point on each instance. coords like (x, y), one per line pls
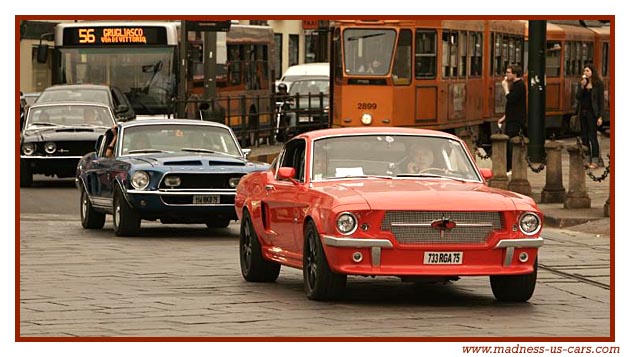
(385, 201)
(30, 98)
(57, 135)
(304, 71)
(175, 171)
(111, 96)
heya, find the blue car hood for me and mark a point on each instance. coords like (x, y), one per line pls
(185, 161)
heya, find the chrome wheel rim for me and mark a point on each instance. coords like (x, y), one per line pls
(84, 206)
(116, 214)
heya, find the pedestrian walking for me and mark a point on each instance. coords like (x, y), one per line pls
(590, 99)
(515, 106)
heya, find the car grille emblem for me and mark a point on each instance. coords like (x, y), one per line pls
(444, 224)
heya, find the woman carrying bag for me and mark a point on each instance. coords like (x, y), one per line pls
(590, 98)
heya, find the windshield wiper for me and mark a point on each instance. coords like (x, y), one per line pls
(44, 123)
(431, 176)
(354, 38)
(357, 176)
(147, 151)
(199, 150)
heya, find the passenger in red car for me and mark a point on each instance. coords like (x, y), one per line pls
(421, 158)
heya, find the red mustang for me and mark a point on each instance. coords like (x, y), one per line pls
(385, 201)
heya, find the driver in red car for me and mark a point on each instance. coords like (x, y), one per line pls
(421, 158)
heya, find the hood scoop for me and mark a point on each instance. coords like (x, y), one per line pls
(74, 130)
(183, 163)
(226, 163)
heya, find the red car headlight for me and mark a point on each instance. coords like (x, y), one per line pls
(346, 223)
(529, 223)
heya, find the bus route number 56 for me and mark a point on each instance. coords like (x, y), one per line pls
(86, 36)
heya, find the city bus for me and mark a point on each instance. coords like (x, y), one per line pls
(446, 74)
(141, 59)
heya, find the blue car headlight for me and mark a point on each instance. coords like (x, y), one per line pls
(140, 180)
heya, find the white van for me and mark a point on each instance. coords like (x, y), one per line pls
(304, 71)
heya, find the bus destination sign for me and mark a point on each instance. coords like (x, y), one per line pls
(114, 35)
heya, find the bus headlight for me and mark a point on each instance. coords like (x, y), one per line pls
(347, 223)
(28, 149)
(529, 223)
(366, 119)
(140, 180)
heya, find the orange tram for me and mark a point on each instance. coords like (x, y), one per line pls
(446, 74)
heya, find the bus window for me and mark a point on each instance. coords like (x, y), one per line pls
(364, 47)
(425, 54)
(402, 62)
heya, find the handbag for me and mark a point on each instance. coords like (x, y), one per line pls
(575, 125)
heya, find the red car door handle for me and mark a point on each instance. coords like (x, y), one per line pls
(269, 187)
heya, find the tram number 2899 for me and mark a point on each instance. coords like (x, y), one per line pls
(371, 106)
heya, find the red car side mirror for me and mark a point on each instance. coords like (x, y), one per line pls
(486, 173)
(286, 173)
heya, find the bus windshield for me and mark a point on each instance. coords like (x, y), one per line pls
(146, 76)
(368, 51)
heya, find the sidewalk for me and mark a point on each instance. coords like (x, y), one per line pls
(590, 220)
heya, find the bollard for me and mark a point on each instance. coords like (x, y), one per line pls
(577, 196)
(519, 182)
(553, 192)
(499, 163)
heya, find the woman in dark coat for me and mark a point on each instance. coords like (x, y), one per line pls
(590, 98)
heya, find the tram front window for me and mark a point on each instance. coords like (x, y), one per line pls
(368, 51)
(145, 76)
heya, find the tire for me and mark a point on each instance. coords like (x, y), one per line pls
(126, 219)
(90, 218)
(254, 267)
(26, 175)
(514, 288)
(218, 223)
(320, 283)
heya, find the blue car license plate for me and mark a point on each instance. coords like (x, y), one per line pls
(206, 199)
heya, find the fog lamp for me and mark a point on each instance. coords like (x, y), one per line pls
(172, 181)
(234, 181)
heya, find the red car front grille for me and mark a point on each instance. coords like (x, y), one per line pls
(432, 227)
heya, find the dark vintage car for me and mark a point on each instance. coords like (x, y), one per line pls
(174, 170)
(385, 202)
(57, 135)
(111, 96)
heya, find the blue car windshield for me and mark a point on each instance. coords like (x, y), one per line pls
(176, 137)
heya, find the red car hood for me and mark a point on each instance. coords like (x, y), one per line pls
(412, 194)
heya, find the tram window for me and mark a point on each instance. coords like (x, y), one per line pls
(450, 41)
(567, 58)
(463, 47)
(605, 59)
(496, 55)
(475, 52)
(552, 59)
(402, 63)
(425, 54)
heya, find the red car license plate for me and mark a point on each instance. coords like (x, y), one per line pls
(206, 199)
(443, 257)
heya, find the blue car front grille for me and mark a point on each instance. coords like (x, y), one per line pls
(201, 180)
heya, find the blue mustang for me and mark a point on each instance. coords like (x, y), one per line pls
(174, 170)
